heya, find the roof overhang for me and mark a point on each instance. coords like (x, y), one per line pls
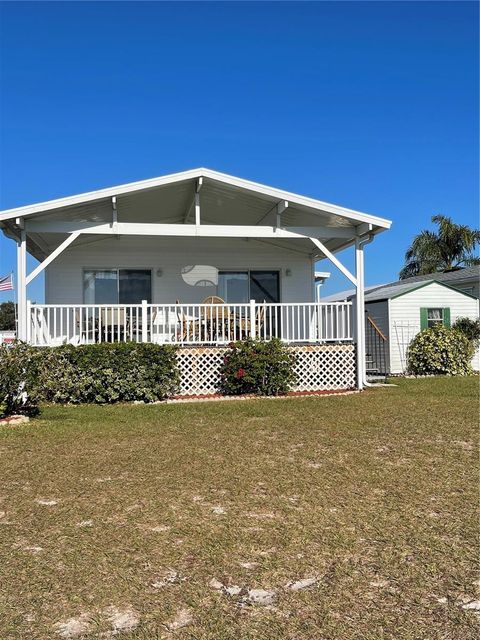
(170, 201)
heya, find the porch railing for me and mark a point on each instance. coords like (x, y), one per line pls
(189, 324)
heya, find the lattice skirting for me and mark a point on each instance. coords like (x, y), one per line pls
(319, 368)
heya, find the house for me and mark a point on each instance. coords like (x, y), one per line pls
(396, 312)
(198, 259)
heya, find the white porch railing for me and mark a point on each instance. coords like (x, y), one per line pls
(189, 324)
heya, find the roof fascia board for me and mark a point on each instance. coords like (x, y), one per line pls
(248, 185)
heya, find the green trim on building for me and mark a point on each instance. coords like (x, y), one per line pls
(423, 318)
(446, 316)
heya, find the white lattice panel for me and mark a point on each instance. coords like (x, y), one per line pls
(200, 370)
(325, 367)
(319, 368)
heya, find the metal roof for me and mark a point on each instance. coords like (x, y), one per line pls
(225, 200)
(392, 289)
(397, 290)
(216, 176)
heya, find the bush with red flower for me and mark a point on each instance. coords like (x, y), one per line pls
(258, 367)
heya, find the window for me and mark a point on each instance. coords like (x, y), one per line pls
(233, 286)
(242, 286)
(434, 316)
(113, 286)
(431, 316)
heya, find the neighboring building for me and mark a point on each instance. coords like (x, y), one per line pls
(195, 258)
(396, 312)
(466, 279)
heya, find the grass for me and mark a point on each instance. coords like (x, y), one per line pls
(373, 494)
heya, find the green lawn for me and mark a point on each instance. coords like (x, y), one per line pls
(120, 517)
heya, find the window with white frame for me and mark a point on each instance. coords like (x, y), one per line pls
(434, 316)
(117, 286)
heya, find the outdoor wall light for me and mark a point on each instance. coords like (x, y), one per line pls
(288, 272)
(159, 273)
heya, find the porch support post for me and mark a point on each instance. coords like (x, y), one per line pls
(360, 313)
(21, 284)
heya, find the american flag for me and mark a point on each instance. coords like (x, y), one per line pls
(6, 283)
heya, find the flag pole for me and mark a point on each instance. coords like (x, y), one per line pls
(15, 305)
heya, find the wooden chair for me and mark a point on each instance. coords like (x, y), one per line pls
(215, 321)
(189, 329)
(213, 300)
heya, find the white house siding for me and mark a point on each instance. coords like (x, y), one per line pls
(405, 318)
(64, 277)
(378, 312)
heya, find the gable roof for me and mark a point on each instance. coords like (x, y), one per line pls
(458, 275)
(224, 200)
(390, 292)
(193, 174)
(392, 289)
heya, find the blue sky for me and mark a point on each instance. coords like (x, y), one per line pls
(370, 105)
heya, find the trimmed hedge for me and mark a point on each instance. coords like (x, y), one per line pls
(440, 351)
(98, 373)
(255, 366)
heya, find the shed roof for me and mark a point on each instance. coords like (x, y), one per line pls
(395, 291)
(392, 289)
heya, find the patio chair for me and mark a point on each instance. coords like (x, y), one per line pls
(113, 322)
(215, 320)
(189, 328)
(213, 300)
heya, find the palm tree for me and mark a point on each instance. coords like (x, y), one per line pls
(451, 247)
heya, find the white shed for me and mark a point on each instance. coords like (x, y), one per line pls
(396, 313)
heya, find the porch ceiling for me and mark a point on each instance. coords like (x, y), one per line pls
(224, 200)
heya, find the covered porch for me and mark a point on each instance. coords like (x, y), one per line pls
(250, 250)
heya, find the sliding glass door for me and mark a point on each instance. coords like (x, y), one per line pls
(242, 286)
(265, 286)
(117, 286)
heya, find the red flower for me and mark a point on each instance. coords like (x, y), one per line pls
(240, 373)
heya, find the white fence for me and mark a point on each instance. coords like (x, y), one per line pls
(189, 324)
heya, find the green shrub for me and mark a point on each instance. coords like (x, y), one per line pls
(106, 373)
(255, 366)
(470, 328)
(20, 368)
(98, 373)
(440, 351)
